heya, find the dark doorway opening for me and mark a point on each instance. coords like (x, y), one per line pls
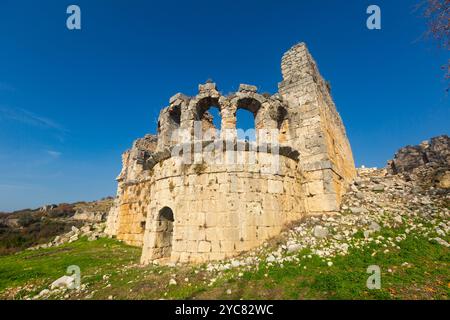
(165, 234)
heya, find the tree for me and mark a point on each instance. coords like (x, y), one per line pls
(437, 13)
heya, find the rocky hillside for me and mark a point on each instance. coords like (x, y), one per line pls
(428, 163)
(30, 227)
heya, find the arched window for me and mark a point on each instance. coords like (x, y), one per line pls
(247, 110)
(208, 113)
(211, 123)
(214, 111)
(175, 115)
(245, 125)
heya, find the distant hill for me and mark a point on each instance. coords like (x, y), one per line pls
(29, 227)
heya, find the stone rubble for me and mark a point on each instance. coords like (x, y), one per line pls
(63, 282)
(91, 231)
(366, 210)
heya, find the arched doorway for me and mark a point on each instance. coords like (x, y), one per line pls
(165, 232)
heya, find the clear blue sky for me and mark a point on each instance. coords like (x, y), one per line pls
(72, 101)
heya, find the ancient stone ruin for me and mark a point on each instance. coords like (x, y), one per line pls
(195, 193)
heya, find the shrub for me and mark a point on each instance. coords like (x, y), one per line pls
(27, 219)
(62, 211)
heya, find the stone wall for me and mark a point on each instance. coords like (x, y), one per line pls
(205, 211)
(132, 212)
(127, 216)
(219, 210)
(316, 131)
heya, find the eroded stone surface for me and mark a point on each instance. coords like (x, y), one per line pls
(435, 152)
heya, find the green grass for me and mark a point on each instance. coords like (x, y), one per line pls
(45, 265)
(426, 277)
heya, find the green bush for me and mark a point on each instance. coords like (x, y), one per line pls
(27, 219)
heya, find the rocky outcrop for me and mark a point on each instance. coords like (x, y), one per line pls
(92, 212)
(435, 153)
(47, 207)
(428, 163)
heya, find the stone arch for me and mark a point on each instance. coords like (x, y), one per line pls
(271, 120)
(203, 104)
(201, 107)
(250, 101)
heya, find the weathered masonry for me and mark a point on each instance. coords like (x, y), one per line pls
(200, 211)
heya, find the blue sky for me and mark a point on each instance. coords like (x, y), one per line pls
(72, 101)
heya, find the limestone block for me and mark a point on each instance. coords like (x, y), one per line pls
(253, 208)
(175, 256)
(192, 246)
(217, 256)
(192, 232)
(247, 245)
(315, 187)
(274, 186)
(215, 246)
(269, 218)
(184, 257)
(322, 203)
(211, 234)
(204, 246)
(211, 219)
(180, 245)
(231, 233)
(230, 218)
(227, 246)
(249, 232)
(247, 88)
(269, 203)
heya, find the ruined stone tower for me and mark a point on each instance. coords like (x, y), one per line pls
(193, 193)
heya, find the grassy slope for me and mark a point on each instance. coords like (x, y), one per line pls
(42, 266)
(426, 277)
